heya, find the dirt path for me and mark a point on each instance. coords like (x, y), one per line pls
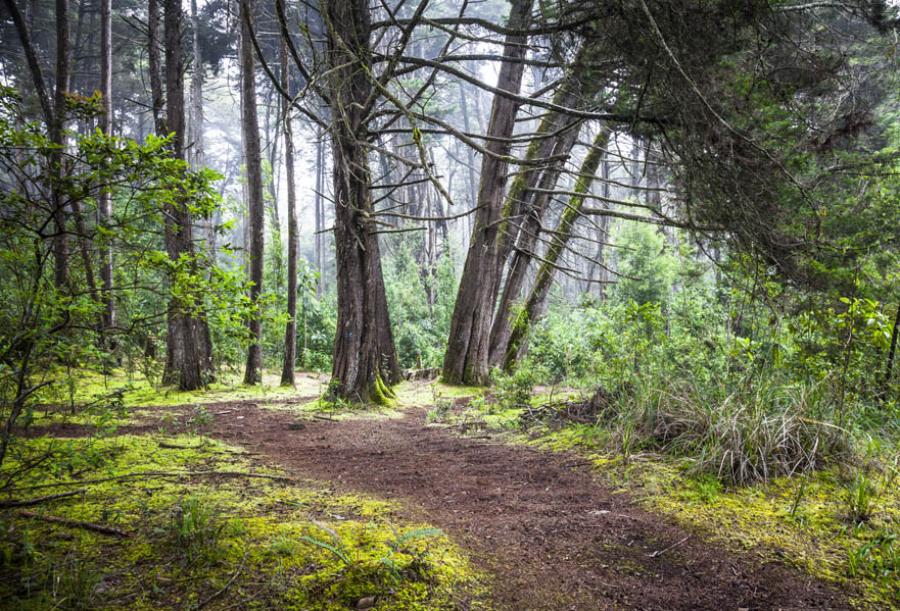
(552, 534)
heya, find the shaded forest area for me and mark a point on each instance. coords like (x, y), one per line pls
(271, 270)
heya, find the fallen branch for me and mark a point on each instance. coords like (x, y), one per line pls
(218, 593)
(278, 478)
(97, 528)
(659, 553)
(39, 500)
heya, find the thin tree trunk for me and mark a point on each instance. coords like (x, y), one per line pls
(320, 213)
(154, 66)
(466, 359)
(290, 332)
(534, 305)
(892, 353)
(255, 201)
(365, 359)
(104, 206)
(57, 137)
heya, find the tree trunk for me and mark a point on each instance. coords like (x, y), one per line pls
(255, 201)
(104, 205)
(320, 213)
(290, 332)
(537, 298)
(154, 66)
(892, 352)
(365, 359)
(197, 156)
(182, 356)
(57, 137)
(522, 256)
(466, 359)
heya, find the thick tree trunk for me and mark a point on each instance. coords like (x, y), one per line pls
(197, 157)
(365, 359)
(466, 359)
(537, 298)
(255, 201)
(290, 331)
(892, 353)
(182, 356)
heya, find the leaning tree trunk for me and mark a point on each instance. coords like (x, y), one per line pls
(365, 359)
(183, 357)
(290, 331)
(534, 305)
(466, 359)
(255, 202)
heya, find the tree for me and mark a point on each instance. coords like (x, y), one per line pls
(104, 206)
(183, 355)
(365, 359)
(467, 357)
(255, 201)
(290, 332)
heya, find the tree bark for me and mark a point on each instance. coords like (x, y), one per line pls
(154, 66)
(57, 137)
(365, 359)
(290, 332)
(104, 205)
(182, 353)
(537, 297)
(255, 201)
(892, 352)
(466, 359)
(320, 213)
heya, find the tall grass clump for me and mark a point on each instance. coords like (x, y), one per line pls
(740, 433)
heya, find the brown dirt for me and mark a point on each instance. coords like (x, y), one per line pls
(552, 534)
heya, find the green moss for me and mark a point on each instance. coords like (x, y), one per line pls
(192, 535)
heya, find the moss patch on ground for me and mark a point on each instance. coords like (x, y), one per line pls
(205, 528)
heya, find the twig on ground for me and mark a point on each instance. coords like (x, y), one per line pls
(97, 528)
(659, 553)
(278, 478)
(218, 593)
(43, 499)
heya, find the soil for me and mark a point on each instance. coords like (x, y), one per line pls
(551, 533)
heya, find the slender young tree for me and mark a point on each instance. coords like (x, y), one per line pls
(255, 201)
(104, 205)
(290, 332)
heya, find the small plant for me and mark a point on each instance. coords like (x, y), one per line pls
(195, 529)
(439, 412)
(199, 418)
(860, 499)
(72, 584)
(878, 558)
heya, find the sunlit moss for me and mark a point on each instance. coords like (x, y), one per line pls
(269, 538)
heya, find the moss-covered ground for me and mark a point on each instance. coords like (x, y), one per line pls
(201, 526)
(840, 523)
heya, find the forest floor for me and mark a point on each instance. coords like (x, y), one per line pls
(548, 531)
(547, 527)
(552, 535)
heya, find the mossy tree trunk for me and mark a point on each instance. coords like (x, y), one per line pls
(537, 297)
(365, 359)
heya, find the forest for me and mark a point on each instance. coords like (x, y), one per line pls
(449, 304)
